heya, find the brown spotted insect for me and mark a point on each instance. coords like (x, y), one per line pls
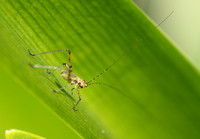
(67, 74)
(73, 79)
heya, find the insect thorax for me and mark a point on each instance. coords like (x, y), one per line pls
(73, 79)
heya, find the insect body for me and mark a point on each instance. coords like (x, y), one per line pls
(73, 79)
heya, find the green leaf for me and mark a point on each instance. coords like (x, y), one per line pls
(18, 134)
(159, 90)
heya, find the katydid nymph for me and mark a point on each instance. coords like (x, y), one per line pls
(73, 79)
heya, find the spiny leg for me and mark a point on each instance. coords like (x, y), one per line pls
(64, 64)
(78, 100)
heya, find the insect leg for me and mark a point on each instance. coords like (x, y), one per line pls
(69, 60)
(70, 67)
(78, 100)
(72, 90)
(48, 52)
(64, 64)
(43, 66)
(61, 88)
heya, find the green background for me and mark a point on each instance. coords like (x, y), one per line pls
(183, 29)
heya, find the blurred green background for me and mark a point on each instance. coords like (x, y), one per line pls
(182, 29)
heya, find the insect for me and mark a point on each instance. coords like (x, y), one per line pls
(73, 79)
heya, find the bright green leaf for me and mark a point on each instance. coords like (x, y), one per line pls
(159, 89)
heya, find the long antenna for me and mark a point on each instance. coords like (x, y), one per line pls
(136, 44)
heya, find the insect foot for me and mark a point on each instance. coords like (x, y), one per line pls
(30, 53)
(74, 108)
